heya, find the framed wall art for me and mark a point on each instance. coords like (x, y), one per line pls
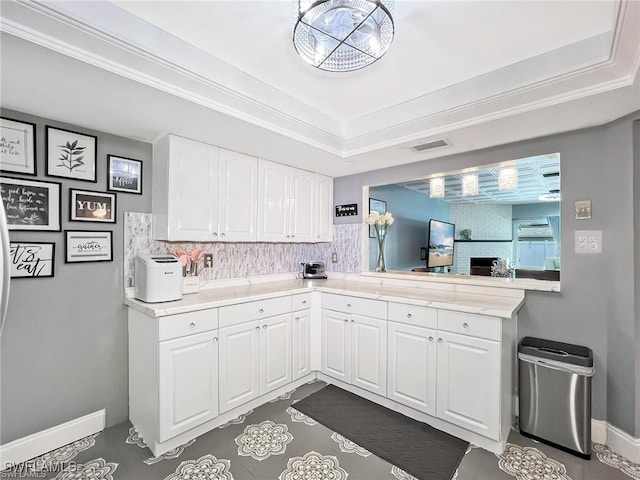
(379, 206)
(71, 154)
(32, 259)
(31, 204)
(88, 246)
(17, 146)
(125, 175)
(90, 206)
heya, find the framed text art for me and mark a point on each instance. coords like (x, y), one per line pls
(125, 175)
(91, 246)
(31, 204)
(17, 146)
(32, 259)
(71, 154)
(90, 206)
(379, 206)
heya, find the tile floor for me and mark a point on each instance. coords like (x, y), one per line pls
(277, 442)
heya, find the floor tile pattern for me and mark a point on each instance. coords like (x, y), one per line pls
(347, 446)
(97, 469)
(528, 463)
(206, 467)
(314, 466)
(608, 457)
(263, 440)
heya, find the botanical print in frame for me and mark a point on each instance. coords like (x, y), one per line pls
(71, 154)
(32, 259)
(379, 206)
(91, 206)
(88, 246)
(125, 175)
(17, 146)
(31, 204)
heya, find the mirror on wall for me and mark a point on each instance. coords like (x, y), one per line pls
(509, 210)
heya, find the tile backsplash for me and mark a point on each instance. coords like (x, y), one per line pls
(232, 260)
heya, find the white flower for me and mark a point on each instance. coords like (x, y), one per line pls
(374, 218)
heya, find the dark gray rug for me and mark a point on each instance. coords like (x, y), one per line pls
(415, 447)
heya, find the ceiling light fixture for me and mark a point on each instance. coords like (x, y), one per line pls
(343, 35)
(470, 184)
(436, 187)
(508, 178)
(552, 196)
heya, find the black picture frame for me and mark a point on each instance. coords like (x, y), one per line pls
(18, 146)
(124, 174)
(85, 206)
(71, 154)
(379, 206)
(31, 205)
(28, 261)
(88, 246)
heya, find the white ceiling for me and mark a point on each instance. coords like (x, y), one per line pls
(474, 73)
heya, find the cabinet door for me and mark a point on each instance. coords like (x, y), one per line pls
(336, 345)
(369, 354)
(239, 365)
(468, 385)
(275, 352)
(324, 209)
(411, 369)
(193, 185)
(238, 197)
(301, 205)
(301, 344)
(272, 196)
(188, 383)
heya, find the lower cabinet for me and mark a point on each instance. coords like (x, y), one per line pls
(255, 358)
(468, 384)
(301, 328)
(188, 383)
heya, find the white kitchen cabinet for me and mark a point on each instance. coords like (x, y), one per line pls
(336, 345)
(275, 353)
(203, 193)
(287, 201)
(324, 209)
(468, 385)
(239, 364)
(369, 353)
(411, 369)
(188, 383)
(301, 343)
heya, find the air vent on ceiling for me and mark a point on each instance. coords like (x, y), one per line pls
(551, 174)
(429, 146)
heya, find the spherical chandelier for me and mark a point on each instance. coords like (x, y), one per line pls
(343, 35)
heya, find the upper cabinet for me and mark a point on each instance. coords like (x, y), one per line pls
(324, 209)
(203, 193)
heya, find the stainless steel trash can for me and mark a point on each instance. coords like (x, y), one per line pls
(555, 393)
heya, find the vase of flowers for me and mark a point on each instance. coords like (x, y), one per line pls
(380, 223)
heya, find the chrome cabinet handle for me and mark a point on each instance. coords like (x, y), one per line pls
(465, 325)
(352, 321)
(192, 325)
(288, 236)
(293, 236)
(215, 234)
(261, 310)
(304, 302)
(409, 315)
(297, 318)
(222, 234)
(264, 326)
(258, 327)
(215, 339)
(431, 339)
(440, 340)
(348, 305)
(346, 320)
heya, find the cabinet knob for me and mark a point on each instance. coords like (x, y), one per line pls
(215, 234)
(465, 325)
(261, 310)
(352, 320)
(431, 339)
(297, 318)
(304, 302)
(348, 305)
(192, 325)
(293, 236)
(258, 327)
(346, 320)
(288, 236)
(440, 340)
(264, 326)
(222, 234)
(409, 315)
(215, 339)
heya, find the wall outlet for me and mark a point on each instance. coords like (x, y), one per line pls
(334, 257)
(208, 260)
(588, 241)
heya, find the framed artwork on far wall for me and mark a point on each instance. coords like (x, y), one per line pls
(32, 259)
(379, 206)
(17, 146)
(88, 246)
(71, 154)
(30, 204)
(91, 206)
(125, 175)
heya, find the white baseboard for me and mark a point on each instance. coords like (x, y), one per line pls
(623, 444)
(39, 443)
(598, 431)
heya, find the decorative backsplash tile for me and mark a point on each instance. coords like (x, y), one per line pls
(232, 260)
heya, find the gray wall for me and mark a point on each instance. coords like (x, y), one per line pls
(597, 305)
(64, 345)
(411, 211)
(636, 210)
(536, 210)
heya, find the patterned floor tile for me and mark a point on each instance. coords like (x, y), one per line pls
(313, 466)
(237, 420)
(608, 457)
(263, 440)
(347, 446)
(300, 417)
(401, 474)
(135, 439)
(206, 467)
(97, 469)
(284, 396)
(171, 454)
(529, 463)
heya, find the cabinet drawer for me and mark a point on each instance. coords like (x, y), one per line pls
(470, 324)
(413, 315)
(302, 301)
(175, 326)
(245, 312)
(360, 306)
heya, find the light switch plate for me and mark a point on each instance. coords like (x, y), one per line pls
(588, 241)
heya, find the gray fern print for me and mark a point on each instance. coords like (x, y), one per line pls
(72, 156)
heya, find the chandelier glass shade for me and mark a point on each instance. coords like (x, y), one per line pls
(436, 187)
(508, 178)
(469, 184)
(343, 35)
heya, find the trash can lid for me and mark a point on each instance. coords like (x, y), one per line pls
(559, 351)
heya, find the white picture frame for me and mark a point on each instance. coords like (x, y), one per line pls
(32, 259)
(92, 206)
(17, 146)
(125, 174)
(88, 246)
(71, 154)
(31, 204)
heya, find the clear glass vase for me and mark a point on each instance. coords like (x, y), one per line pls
(381, 236)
